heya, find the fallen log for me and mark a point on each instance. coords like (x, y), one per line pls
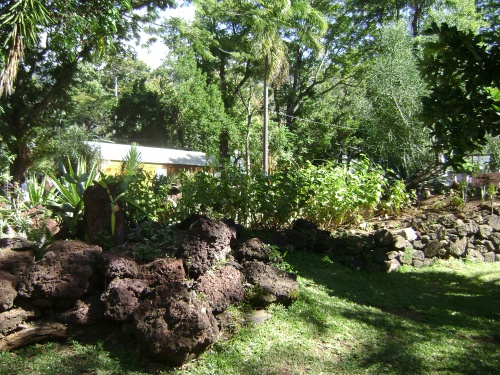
(32, 335)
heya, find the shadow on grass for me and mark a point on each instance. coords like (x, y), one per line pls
(422, 321)
(100, 355)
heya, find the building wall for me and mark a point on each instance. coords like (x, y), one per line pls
(484, 179)
(114, 167)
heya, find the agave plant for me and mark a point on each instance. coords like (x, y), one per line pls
(37, 192)
(70, 188)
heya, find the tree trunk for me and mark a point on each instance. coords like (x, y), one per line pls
(31, 335)
(247, 140)
(265, 161)
(21, 162)
(224, 145)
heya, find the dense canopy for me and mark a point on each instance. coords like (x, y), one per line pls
(262, 84)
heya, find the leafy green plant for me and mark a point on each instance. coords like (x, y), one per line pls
(408, 254)
(147, 197)
(457, 202)
(15, 219)
(37, 192)
(491, 191)
(158, 242)
(131, 164)
(38, 232)
(277, 257)
(439, 205)
(467, 167)
(6, 159)
(104, 240)
(116, 188)
(398, 199)
(464, 190)
(341, 193)
(70, 188)
(4, 225)
(146, 252)
(328, 195)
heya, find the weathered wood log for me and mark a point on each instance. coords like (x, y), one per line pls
(32, 335)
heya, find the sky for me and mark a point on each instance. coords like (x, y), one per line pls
(154, 54)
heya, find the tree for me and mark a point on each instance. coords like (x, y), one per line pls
(416, 12)
(270, 23)
(314, 102)
(21, 21)
(490, 10)
(393, 131)
(462, 71)
(236, 41)
(195, 109)
(74, 31)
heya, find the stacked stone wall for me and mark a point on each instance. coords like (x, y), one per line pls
(421, 241)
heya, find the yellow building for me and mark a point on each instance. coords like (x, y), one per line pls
(161, 161)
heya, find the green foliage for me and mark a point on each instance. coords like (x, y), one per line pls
(131, 164)
(45, 74)
(394, 134)
(343, 193)
(12, 218)
(492, 148)
(25, 222)
(142, 196)
(70, 188)
(457, 201)
(408, 254)
(491, 192)
(278, 256)
(37, 192)
(68, 142)
(116, 188)
(328, 195)
(6, 159)
(466, 167)
(398, 199)
(20, 22)
(147, 253)
(26, 212)
(463, 74)
(196, 115)
(158, 242)
(253, 200)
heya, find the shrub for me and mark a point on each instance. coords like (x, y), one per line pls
(398, 198)
(328, 195)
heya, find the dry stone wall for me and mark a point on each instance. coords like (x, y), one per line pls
(420, 241)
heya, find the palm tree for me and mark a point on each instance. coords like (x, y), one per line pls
(270, 19)
(20, 20)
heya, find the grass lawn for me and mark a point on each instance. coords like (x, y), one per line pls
(443, 319)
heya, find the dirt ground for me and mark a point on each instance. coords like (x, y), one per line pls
(445, 204)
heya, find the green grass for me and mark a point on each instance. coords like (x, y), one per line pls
(439, 320)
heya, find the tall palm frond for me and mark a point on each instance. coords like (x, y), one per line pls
(21, 19)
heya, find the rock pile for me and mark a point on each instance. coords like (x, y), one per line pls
(171, 305)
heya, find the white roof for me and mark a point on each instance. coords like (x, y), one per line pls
(151, 155)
